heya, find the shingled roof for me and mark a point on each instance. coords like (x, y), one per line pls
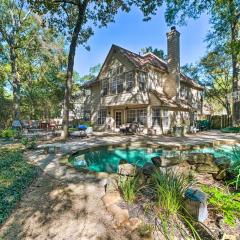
(141, 61)
(168, 102)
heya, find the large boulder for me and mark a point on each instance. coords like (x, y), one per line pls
(221, 175)
(127, 169)
(157, 161)
(183, 168)
(148, 169)
(204, 168)
(133, 223)
(120, 215)
(223, 163)
(111, 198)
(200, 158)
(170, 161)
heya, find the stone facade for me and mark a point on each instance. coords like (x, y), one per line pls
(144, 89)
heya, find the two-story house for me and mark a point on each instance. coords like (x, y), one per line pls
(144, 89)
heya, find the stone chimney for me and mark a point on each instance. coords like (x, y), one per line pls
(173, 51)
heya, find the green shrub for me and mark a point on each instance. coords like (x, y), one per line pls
(29, 143)
(226, 203)
(129, 187)
(234, 169)
(203, 124)
(16, 174)
(169, 189)
(8, 133)
(231, 130)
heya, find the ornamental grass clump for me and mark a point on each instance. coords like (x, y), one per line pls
(235, 167)
(129, 187)
(169, 189)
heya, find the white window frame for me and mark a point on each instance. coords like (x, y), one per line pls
(102, 116)
(160, 115)
(137, 115)
(105, 87)
(129, 77)
(142, 77)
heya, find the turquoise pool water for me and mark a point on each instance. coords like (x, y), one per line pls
(222, 151)
(107, 160)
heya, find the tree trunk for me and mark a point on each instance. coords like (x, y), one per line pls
(68, 83)
(234, 53)
(15, 84)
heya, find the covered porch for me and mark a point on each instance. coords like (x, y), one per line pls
(122, 115)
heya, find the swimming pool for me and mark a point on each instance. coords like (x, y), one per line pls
(107, 159)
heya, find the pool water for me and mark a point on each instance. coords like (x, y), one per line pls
(107, 160)
(222, 151)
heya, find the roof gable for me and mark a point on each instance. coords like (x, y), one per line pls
(141, 61)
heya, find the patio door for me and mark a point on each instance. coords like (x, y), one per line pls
(118, 118)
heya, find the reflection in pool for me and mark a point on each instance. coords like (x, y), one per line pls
(104, 159)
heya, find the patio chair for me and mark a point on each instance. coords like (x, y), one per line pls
(132, 129)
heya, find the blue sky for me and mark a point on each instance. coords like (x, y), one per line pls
(129, 31)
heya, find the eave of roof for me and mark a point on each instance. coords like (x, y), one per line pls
(168, 102)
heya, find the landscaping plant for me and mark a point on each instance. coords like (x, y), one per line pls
(169, 188)
(8, 133)
(228, 204)
(29, 143)
(129, 187)
(235, 167)
(16, 174)
(231, 130)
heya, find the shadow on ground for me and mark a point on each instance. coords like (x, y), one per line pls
(53, 209)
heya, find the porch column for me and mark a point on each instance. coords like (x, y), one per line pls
(149, 116)
(111, 110)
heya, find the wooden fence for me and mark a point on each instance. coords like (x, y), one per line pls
(220, 121)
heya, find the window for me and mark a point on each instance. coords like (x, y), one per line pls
(113, 85)
(84, 114)
(102, 115)
(105, 86)
(110, 72)
(183, 92)
(159, 78)
(160, 115)
(137, 115)
(119, 70)
(129, 81)
(142, 81)
(120, 81)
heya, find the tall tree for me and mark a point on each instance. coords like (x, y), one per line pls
(17, 32)
(76, 18)
(216, 72)
(225, 22)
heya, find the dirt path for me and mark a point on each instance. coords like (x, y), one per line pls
(62, 208)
